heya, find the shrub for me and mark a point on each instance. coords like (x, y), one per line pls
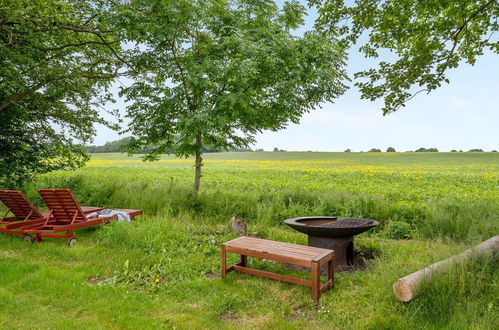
(398, 230)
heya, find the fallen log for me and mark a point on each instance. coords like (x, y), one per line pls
(406, 288)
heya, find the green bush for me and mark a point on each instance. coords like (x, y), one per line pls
(398, 230)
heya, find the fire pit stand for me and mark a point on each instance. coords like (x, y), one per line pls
(334, 233)
(342, 247)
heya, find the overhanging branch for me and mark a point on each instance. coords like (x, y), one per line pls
(89, 75)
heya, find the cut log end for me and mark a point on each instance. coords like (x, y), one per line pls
(402, 291)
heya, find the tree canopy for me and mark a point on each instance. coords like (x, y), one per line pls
(218, 72)
(56, 60)
(427, 38)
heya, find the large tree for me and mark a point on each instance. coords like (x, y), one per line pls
(220, 71)
(57, 58)
(424, 38)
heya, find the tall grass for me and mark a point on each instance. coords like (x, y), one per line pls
(473, 221)
(464, 289)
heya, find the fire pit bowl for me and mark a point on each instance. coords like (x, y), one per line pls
(334, 233)
(333, 227)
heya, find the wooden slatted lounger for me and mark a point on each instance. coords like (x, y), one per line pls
(23, 210)
(65, 216)
(306, 256)
(25, 213)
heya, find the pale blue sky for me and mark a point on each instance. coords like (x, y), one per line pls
(461, 115)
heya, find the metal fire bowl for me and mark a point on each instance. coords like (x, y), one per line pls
(321, 226)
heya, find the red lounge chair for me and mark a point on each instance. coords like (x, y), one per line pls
(25, 213)
(65, 216)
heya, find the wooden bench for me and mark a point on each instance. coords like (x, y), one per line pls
(294, 254)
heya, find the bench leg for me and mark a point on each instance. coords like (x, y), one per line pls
(223, 271)
(244, 260)
(316, 283)
(330, 273)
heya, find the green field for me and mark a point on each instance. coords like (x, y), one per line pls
(160, 270)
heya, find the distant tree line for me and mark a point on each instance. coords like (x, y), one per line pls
(422, 149)
(113, 146)
(120, 146)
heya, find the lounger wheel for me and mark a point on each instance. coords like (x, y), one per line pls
(28, 238)
(71, 241)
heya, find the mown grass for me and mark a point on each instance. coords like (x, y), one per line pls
(160, 271)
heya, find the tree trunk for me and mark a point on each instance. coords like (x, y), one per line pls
(406, 288)
(199, 163)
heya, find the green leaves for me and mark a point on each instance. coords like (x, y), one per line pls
(292, 14)
(57, 60)
(225, 70)
(427, 37)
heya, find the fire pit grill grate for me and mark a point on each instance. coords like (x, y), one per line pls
(347, 223)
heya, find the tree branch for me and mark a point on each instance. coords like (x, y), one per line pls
(89, 75)
(24, 94)
(77, 29)
(455, 38)
(182, 74)
(48, 49)
(97, 33)
(6, 21)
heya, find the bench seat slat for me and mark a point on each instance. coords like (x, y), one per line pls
(274, 250)
(289, 259)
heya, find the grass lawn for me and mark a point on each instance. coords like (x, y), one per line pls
(162, 270)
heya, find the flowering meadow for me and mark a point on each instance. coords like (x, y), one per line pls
(413, 195)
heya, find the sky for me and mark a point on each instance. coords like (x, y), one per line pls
(461, 115)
